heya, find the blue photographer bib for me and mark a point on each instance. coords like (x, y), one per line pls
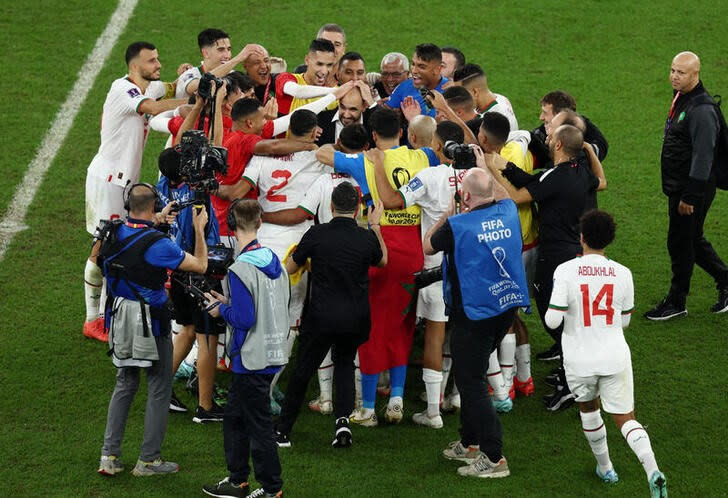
(488, 261)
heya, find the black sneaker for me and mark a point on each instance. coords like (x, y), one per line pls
(227, 488)
(192, 383)
(552, 353)
(282, 440)
(203, 416)
(665, 311)
(553, 380)
(562, 398)
(722, 305)
(342, 434)
(175, 405)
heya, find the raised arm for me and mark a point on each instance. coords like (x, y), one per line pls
(596, 166)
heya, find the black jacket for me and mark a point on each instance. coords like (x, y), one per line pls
(540, 150)
(688, 149)
(328, 127)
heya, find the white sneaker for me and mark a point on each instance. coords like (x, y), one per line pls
(322, 406)
(394, 413)
(456, 451)
(451, 403)
(483, 467)
(423, 418)
(358, 417)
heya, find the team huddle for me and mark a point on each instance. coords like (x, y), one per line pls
(356, 206)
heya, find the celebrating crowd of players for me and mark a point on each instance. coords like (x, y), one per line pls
(403, 140)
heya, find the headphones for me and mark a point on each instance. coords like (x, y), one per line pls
(231, 222)
(157, 198)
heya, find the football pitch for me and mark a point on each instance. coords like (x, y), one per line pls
(614, 57)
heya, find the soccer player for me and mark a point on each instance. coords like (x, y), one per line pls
(461, 101)
(426, 65)
(351, 68)
(216, 59)
(295, 90)
(391, 288)
(282, 182)
(129, 103)
(485, 99)
(594, 297)
(452, 60)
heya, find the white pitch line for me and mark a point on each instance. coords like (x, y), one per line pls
(14, 219)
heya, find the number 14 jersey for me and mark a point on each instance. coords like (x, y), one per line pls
(594, 292)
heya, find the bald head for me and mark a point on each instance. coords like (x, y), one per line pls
(685, 72)
(421, 131)
(477, 188)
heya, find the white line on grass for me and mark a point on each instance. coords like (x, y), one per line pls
(14, 219)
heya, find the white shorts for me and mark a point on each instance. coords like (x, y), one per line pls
(616, 391)
(431, 304)
(104, 201)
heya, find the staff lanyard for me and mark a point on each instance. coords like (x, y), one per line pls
(671, 114)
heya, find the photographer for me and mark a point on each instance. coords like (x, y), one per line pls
(196, 324)
(134, 258)
(258, 314)
(484, 282)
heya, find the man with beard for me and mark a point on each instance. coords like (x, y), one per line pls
(354, 108)
(296, 90)
(117, 164)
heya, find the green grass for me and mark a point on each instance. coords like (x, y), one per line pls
(612, 56)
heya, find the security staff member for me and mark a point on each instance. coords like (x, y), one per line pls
(141, 256)
(688, 181)
(484, 283)
(338, 314)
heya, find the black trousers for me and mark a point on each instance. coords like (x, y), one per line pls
(312, 349)
(543, 280)
(687, 245)
(471, 343)
(248, 430)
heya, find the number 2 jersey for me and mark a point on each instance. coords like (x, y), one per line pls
(282, 183)
(594, 292)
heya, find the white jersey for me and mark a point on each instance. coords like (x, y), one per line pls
(123, 132)
(503, 106)
(432, 189)
(595, 292)
(192, 74)
(318, 197)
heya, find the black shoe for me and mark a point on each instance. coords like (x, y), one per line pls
(665, 311)
(192, 383)
(553, 353)
(227, 488)
(722, 305)
(282, 440)
(342, 434)
(553, 380)
(175, 405)
(203, 416)
(562, 398)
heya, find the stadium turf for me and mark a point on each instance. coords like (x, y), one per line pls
(613, 57)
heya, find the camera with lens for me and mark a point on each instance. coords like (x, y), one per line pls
(461, 155)
(199, 161)
(204, 90)
(219, 258)
(428, 276)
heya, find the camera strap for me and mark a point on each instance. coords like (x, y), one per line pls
(457, 190)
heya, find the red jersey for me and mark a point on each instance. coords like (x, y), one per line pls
(240, 149)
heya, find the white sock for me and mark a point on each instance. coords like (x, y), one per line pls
(595, 432)
(93, 281)
(432, 380)
(639, 441)
(446, 366)
(357, 382)
(523, 362)
(495, 377)
(506, 358)
(326, 377)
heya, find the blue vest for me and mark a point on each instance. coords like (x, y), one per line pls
(488, 261)
(181, 230)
